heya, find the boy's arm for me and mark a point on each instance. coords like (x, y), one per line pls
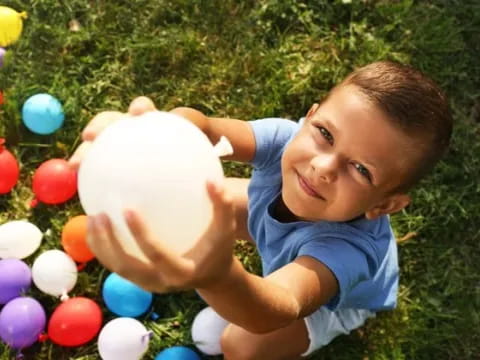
(258, 304)
(261, 305)
(238, 132)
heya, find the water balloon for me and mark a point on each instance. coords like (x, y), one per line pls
(124, 298)
(75, 322)
(207, 330)
(54, 182)
(22, 320)
(74, 239)
(157, 164)
(54, 273)
(9, 171)
(123, 338)
(19, 239)
(177, 353)
(42, 114)
(15, 279)
(11, 25)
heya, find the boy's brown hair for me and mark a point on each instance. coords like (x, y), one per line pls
(415, 104)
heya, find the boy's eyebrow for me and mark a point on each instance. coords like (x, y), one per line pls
(330, 127)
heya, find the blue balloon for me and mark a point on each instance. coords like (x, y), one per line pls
(178, 353)
(42, 114)
(124, 298)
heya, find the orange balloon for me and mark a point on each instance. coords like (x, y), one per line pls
(74, 239)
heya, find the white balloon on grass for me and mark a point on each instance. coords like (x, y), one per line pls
(157, 164)
(123, 339)
(54, 273)
(19, 239)
(207, 330)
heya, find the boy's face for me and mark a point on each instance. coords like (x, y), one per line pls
(344, 161)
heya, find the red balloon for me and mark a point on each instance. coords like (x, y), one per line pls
(54, 182)
(9, 171)
(75, 322)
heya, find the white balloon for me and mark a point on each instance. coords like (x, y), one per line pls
(207, 329)
(123, 339)
(19, 239)
(157, 164)
(54, 273)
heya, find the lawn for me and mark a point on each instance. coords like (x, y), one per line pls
(252, 59)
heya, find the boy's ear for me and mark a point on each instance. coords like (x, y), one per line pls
(390, 205)
(312, 110)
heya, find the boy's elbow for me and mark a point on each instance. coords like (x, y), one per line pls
(259, 329)
(262, 326)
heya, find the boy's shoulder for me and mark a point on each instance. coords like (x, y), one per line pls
(361, 232)
(271, 137)
(362, 254)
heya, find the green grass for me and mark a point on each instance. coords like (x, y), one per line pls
(253, 59)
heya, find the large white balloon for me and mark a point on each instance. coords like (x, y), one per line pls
(123, 339)
(19, 239)
(207, 329)
(54, 273)
(157, 164)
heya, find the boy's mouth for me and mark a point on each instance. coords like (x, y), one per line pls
(307, 188)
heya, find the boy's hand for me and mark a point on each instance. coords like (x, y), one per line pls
(138, 106)
(209, 260)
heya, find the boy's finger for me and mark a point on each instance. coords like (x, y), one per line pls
(106, 247)
(96, 241)
(79, 154)
(155, 251)
(100, 122)
(140, 105)
(222, 203)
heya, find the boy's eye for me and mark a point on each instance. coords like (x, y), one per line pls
(363, 171)
(326, 134)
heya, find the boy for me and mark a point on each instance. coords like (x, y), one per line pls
(317, 209)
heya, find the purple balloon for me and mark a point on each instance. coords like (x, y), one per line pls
(2, 54)
(22, 320)
(15, 279)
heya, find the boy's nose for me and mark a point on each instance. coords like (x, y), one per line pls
(325, 167)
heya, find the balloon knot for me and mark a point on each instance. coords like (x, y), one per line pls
(81, 266)
(154, 316)
(23, 15)
(19, 355)
(42, 337)
(2, 144)
(147, 336)
(34, 203)
(223, 147)
(64, 297)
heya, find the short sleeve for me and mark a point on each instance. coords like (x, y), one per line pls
(349, 264)
(271, 136)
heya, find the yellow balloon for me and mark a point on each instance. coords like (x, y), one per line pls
(10, 25)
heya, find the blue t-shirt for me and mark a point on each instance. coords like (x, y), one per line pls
(362, 254)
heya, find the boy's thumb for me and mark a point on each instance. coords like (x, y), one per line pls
(140, 105)
(222, 201)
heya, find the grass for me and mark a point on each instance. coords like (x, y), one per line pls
(254, 59)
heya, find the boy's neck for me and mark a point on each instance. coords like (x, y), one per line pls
(282, 213)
